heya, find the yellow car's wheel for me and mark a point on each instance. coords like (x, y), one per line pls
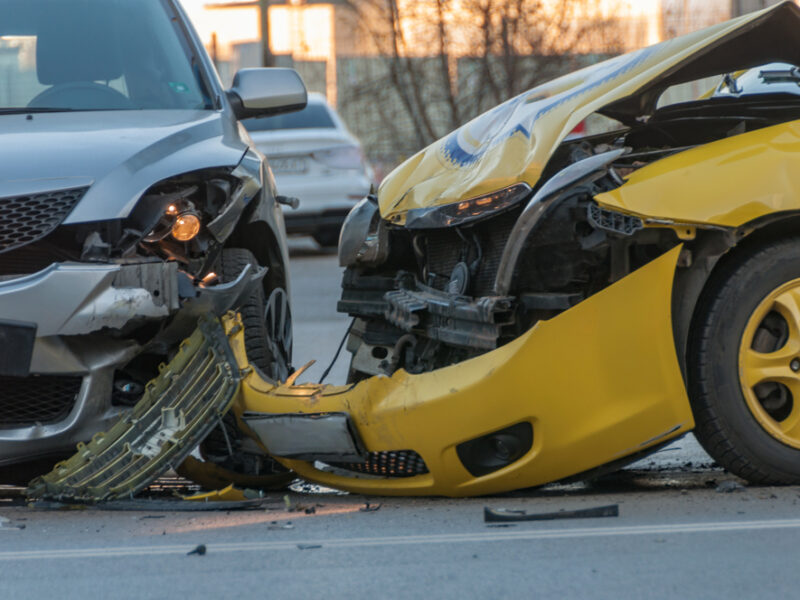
(744, 364)
(769, 363)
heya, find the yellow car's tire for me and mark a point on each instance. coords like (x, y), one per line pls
(744, 364)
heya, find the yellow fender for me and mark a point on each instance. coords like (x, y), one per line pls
(727, 183)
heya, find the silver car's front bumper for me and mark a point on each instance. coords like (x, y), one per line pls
(82, 314)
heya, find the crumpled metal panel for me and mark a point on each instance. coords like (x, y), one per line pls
(472, 323)
(178, 410)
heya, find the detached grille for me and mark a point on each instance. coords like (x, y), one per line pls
(25, 401)
(26, 219)
(399, 463)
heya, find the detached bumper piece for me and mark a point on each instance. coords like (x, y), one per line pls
(177, 411)
(595, 384)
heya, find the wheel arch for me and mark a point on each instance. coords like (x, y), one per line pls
(265, 244)
(712, 255)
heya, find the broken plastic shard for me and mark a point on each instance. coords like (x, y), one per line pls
(500, 515)
(726, 487)
(228, 494)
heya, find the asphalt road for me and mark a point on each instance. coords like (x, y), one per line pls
(676, 536)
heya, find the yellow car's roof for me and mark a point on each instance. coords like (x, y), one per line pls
(513, 142)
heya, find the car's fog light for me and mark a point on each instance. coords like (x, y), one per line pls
(186, 227)
(492, 452)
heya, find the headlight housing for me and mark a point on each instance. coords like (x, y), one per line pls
(365, 238)
(467, 211)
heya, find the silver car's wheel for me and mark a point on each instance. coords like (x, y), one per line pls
(278, 321)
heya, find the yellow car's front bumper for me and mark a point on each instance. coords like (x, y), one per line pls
(597, 383)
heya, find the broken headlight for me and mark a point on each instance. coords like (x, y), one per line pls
(467, 211)
(180, 219)
(364, 239)
(187, 218)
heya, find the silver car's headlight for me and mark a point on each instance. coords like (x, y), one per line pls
(467, 211)
(364, 240)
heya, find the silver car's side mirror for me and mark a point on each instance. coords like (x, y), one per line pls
(264, 92)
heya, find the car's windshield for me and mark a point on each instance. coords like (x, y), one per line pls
(313, 116)
(95, 55)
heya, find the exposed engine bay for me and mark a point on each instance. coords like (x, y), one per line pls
(441, 290)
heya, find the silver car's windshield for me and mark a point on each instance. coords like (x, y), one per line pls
(95, 55)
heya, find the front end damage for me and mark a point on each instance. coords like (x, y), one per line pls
(593, 386)
(520, 315)
(94, 307)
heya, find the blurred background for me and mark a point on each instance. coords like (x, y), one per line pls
(402, 73)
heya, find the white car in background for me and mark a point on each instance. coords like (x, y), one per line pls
(317, 160)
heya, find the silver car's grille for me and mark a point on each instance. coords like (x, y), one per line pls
(26, 219)
(25, 401)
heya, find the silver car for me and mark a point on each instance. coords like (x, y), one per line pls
(316, 159)
(132, 200)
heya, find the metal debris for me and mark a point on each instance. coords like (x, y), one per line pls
(297, 507)
(501, 515)
(6, 524)
(726, 487)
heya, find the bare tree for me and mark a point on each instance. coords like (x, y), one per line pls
(435, 65)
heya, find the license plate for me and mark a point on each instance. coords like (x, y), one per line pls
(16, 348)
(288, 165)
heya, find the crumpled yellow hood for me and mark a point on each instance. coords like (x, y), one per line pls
(512, 142)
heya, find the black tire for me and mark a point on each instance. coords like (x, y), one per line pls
(725, 426)
(268, 343)
(327, 237)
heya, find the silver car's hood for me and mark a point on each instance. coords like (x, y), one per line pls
(119, 153)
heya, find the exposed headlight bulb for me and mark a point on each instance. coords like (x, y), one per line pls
(186, 227)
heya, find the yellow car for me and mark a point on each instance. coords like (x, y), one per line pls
(529, 308)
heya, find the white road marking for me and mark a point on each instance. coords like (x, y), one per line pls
(442, 538)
